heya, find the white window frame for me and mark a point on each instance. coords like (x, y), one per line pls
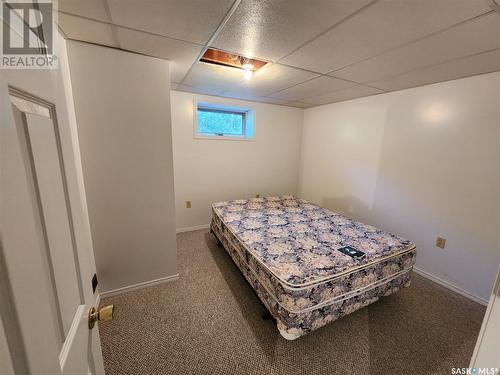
(248, 121)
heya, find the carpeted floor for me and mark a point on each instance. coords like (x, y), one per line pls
(210, 322)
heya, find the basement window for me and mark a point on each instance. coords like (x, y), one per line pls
(216, 121)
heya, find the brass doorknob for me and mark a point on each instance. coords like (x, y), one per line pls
(106, 313)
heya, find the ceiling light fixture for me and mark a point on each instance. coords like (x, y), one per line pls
(247, 68)
(247, 74)
(247, 64)
(217, 57)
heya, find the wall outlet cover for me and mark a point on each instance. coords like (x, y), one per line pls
(441, 242)
(188, 204)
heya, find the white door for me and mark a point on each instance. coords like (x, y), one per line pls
(45, 278)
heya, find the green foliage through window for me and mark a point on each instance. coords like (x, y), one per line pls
(220, 122)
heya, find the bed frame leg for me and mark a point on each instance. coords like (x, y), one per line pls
(266, 315)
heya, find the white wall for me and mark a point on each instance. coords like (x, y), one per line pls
(122, 104)
(208, 171)
(422, 163)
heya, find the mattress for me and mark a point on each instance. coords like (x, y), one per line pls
(288, 250)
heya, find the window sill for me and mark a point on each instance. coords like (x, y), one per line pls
(222, 138)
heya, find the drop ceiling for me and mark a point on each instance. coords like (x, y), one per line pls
(318, 51)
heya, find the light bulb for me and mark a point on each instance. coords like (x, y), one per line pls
(247, 66)
(247, 74)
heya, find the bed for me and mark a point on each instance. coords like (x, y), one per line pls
(308, 265)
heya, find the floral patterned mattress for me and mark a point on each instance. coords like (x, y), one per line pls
(291, 247)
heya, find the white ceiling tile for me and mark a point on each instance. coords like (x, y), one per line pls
(482, 63)
(239, 95)
(86, 30)
(192, 89)
(299, 105)
(344, 94)
(316, 86)
(273, 100)
(214, 77)
(480, 34)
(271, 29)
(385, 25)
(190, 20)
(94, 9)
(180, 54)
(271, 78)
(377, 45)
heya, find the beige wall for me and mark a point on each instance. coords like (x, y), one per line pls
(122, 104)
(422, 163)
(208, 171)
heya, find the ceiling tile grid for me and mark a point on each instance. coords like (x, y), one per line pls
(315, 86)
(385, 25)
(273, 101)
(480, 34)
(298, 104)
(188, 20)
(482, 63)
(271, 29)
(87, 30)
(214, 77)
(195, 89)
(94, 9)
(181, 54)
(351, 92)
(319, 51)
(271, 78)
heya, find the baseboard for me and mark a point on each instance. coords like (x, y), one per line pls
(145, 284)
(450, 286)
(189, 229)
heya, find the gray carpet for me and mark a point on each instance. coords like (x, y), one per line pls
(209, 322)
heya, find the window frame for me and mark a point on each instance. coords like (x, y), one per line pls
(246, 112)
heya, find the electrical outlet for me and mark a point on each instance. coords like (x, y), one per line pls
(257, 195)
(441, 242)
(188, 204)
